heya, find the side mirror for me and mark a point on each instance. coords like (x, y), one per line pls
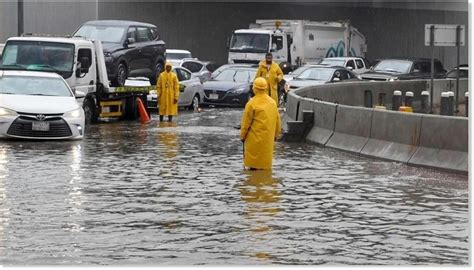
(129, 41)
(336, 79)
(416, 71)
(83, 66)
(350, 68)
(274, 47)
(80, 94)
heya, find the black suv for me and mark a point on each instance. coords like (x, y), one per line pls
(130, 48)
(404, 69)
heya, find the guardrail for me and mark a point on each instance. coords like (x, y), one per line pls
(341, 122)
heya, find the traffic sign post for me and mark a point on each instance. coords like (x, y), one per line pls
(444, 35)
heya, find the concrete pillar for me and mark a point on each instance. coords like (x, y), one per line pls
(409, 99)
(451, 103)
(425, 99)
(396, 100)
(444, 104)
(466, 98)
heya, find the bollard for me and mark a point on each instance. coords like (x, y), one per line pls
(466, 101)
(368, 99)
(444, 105)
(409, 99)
(425, 99)
(451, 103)
(397, 100)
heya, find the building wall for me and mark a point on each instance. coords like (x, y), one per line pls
(204, 27)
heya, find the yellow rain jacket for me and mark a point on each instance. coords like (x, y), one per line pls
(167, 89)
(273, 76)
(260, 127)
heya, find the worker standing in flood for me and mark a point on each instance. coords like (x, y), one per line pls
(272, 73)
(167, 88)
(260, 127)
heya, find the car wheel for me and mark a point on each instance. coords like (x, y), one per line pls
(90, 112)
(195, 104)
(122, 73)
(156, 72)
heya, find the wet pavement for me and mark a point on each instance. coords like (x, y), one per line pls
(176, 194)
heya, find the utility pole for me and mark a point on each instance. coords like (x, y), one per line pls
(20, 17)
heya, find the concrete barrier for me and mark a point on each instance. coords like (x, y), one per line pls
(291, 105)
(306, 104)
(324, 122)
(393, 136)
(443, 143)
(352, 128)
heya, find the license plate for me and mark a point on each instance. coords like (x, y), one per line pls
(213, 96)
(40, 126)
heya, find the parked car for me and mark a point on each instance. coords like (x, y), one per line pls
(130, 48)
(191, 90)
(358, 65)
(174, 56)
(39, 105)
(404, 69)
(316, 75)
(288, 77)
(231, 87)
(201, 69)
(463, 71)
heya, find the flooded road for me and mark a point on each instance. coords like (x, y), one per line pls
(176, 194)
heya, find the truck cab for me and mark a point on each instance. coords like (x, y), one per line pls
(248, 45)
(73, 59)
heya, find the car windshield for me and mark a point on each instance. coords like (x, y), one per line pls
(256, 43)
(396, 66)
(236, 75)
(298, 71)
(32, 85)
(38, 55)
(177, 56)
(318, 74)
(110, 34)
(332, 62)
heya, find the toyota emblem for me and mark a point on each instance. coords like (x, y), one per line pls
(40, 117)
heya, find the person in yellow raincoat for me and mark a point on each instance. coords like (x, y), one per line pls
(272, 73)
(260, 127)
(167, 88)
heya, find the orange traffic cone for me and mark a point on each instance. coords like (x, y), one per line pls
(144, 118)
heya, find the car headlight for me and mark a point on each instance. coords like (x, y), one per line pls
(7, 112)
(73, 114)
(239, 90)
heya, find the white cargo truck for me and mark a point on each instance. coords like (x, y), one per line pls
(295, 42)
(81, 63)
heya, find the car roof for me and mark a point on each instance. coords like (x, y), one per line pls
(343, 58)
(72, 40)
(118, 23)
(28, 73)
(412, 59)
(177, 51)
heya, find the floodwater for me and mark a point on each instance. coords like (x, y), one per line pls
(176, 194)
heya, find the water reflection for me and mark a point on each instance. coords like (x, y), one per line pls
(260, 193)
(167, 139)
(4, 210)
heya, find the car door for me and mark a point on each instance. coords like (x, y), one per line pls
(131, 54)
(350, 64)
(145, 50)
(187, 86)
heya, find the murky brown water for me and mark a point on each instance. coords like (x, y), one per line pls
(176, 194)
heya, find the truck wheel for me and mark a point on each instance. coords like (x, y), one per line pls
(90, 112)
(156, 72)
(195, 104)
(131, 112)
(122, 74)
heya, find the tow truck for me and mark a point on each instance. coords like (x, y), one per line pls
(81, 63)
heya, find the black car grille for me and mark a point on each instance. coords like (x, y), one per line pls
(22, 126)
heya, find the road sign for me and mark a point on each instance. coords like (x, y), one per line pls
(444, 34)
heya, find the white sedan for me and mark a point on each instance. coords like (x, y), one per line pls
(38, 105)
